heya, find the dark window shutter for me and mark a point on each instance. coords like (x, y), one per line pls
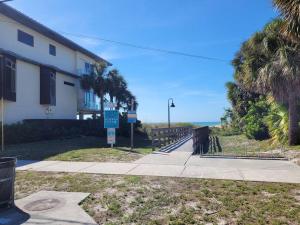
(47, 86)
(1, 75)
(9, 78)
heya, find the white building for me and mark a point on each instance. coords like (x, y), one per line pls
(40, 71)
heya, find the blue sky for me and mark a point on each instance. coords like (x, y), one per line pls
(213, 28)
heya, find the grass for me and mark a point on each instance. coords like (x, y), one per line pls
(241, 145)
(81, 149)
(175, 201)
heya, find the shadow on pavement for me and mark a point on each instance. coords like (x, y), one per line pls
(13, 216)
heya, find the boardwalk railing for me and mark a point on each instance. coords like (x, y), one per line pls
(200, 140)
(162, 137)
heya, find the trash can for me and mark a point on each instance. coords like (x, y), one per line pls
(7, 181)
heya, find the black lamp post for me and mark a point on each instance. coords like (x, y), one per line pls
(170, 106)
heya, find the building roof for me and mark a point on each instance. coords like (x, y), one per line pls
(38, 27)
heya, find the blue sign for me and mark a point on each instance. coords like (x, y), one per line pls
(111, 119)
(132, 117)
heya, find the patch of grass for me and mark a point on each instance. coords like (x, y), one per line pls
(81, 149)
(177, 201)
(240, 144)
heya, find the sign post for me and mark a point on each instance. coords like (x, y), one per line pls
(111, 122)
(132, 117)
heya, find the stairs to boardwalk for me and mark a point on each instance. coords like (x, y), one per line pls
(178, 155)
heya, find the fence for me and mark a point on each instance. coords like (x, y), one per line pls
(200, 140)
(162, 137)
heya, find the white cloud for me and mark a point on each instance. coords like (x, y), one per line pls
(110, 54)
(85, 41)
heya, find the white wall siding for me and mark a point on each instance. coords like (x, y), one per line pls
(69, 100)
(65, 58)
(28, 104)
(66, 98)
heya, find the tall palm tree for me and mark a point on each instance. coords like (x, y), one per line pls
(96, 81)
(100, 83)
(269, 63)
(117, 87)
(290, 11)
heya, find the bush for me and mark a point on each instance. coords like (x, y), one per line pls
(224, 131)
(254, 127)
(38, 130)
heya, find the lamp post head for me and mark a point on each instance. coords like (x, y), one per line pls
(172, 105)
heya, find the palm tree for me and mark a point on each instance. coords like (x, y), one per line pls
(277, 122)
(112, 83)
(100, 84)
(96, 81)
(290, 11)
(269, 63)
(117, 88)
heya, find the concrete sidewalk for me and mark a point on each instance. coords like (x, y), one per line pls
(232, 169)
(180, 163)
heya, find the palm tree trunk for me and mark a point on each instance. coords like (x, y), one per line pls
(102, 105)
(293, 119)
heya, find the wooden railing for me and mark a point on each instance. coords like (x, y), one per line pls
(200, 140)
(162, 137)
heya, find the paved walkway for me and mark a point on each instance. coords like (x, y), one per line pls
(181, 163)
(48, 207)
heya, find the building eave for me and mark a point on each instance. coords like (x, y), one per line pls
(33, 62)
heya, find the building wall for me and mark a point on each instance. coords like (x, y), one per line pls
(28, 104)
(69, 99)
(65, 59)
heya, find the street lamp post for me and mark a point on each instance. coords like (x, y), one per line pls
(170, 106)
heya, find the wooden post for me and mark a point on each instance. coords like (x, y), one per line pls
(132, 108)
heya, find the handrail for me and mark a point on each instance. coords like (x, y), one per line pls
(200, 139)
(162, 137)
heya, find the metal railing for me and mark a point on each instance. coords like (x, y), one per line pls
(162, 137)
(200, 140)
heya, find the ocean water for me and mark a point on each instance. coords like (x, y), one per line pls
(203, 124)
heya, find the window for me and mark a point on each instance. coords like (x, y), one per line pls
(88, 68)
(69, 83)
(52, 50)
(25, 38)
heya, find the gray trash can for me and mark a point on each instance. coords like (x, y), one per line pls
(7, 181)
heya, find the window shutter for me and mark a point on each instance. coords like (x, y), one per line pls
(47, 86)
(1, 75)
(9, 72)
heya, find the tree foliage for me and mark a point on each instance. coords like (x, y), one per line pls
(269, 64)
(109, 83)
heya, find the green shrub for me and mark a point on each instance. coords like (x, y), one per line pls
(278, 122)
(38, 130)
(224, 131)
(254, 126)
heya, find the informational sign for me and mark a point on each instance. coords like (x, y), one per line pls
(111, 119)
(111, 135)
(132, 117)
